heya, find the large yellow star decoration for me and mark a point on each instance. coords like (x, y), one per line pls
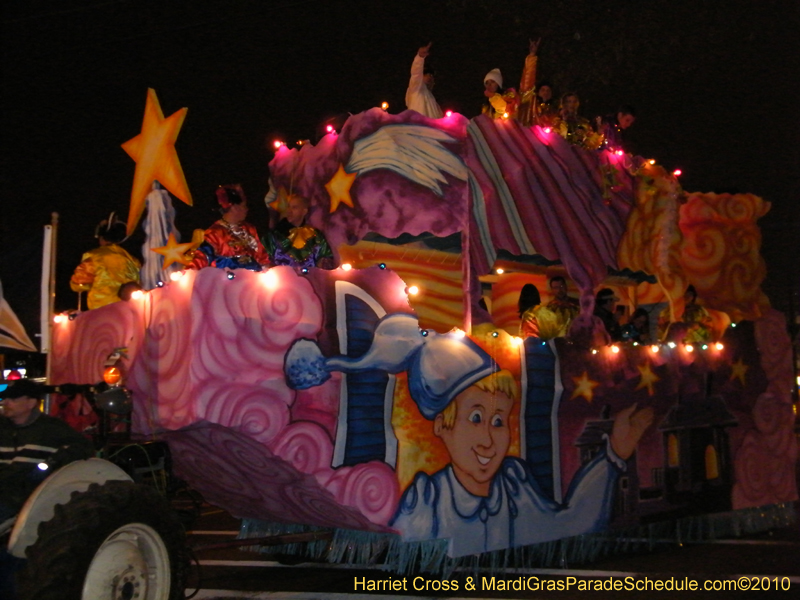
(738, 371)
(649, 379)
(174, 252)
(584, 387)
(156, 158)
(339, 188)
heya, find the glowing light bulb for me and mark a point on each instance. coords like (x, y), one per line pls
(299, 142)
(719, 346)
(59, 319)
(43, 466)
(689, 348)
(175, 275)
(346, 266)
(654, 348)
(384, 106)
(615, 349)
(619, 152)
(677, 172)
(413, 290)
(329, 128)
(137, 294)
(547, 129)
(277, 144)
(652, 161)
(704, 346)
(448, 113)
(505, 115)
(499, 271)
(270, 279)
(594, 350)
(671, 344)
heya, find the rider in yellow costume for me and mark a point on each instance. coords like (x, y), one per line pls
(105, 269)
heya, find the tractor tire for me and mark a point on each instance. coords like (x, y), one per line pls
(116, 541)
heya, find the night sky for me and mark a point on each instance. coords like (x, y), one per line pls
(714, 84)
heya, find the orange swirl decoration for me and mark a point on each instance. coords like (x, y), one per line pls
(720, 253)
(704, 249)
(744, 208)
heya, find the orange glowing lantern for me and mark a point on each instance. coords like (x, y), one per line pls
(112, 375)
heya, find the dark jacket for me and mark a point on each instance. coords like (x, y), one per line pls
(22, 448)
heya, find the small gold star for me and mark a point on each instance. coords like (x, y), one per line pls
(584, 387)
(649, 379)
(738, 370)
(174, 252)
(281, 202)
(339, 188)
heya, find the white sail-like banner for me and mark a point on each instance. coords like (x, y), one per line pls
(12, 333)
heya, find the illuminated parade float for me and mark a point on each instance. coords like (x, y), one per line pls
(392, 399)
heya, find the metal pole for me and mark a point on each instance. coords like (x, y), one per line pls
(48, 295)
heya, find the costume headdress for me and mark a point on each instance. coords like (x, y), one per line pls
(230, 194)
(111, 229)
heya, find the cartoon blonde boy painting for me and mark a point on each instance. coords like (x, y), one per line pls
(484, 500)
